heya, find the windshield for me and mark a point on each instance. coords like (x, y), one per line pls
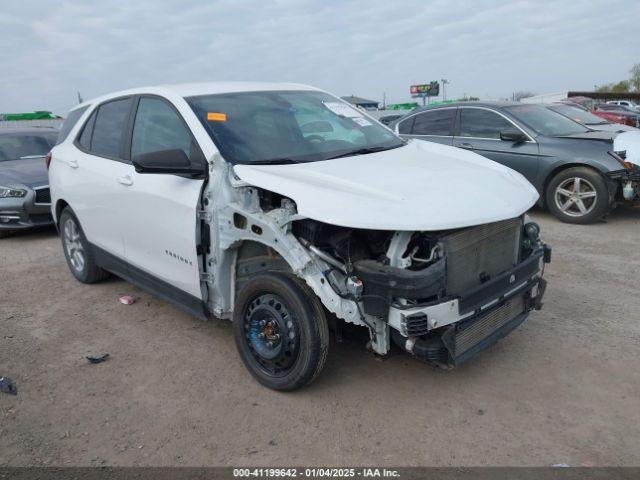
(22, 146)
(546, 122)
(288, 127)
(578, 115)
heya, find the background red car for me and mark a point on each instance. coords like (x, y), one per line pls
(612, 113)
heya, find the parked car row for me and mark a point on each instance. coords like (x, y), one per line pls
(579, 176)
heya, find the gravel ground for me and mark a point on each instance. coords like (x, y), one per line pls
(563, 388)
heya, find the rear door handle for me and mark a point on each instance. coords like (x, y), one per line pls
(125, 180)
(466, 146)
(73, 163)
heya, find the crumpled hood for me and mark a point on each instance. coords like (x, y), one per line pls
(422, 186)
(31, 172)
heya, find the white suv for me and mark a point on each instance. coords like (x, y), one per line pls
(280, 206)
(625, 103)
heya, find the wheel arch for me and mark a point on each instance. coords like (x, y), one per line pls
(254, 257)
(60, 205)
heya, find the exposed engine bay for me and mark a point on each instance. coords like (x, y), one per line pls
(362, 269)
(415, 267)
(441, 295)
(402, 272)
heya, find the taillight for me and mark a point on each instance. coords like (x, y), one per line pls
(47, 160)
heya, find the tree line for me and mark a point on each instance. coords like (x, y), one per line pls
(624, 86)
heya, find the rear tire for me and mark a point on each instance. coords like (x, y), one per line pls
(77, 250)
(578, 195)
(280, 331)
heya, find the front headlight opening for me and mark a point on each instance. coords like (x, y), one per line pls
(8, 192)
(531, 235)
(532, 230)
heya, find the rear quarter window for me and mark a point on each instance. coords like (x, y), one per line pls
(109, 127)
(69, 123)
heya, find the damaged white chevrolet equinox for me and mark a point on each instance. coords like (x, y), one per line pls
(280, 207)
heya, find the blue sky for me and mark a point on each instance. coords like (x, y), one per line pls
(51, 49)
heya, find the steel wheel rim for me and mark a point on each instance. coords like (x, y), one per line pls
(576, 197)
(73, 245)
(271, 335)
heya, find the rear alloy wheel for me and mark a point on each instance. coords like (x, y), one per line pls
(73, 246)
(281, 331)
(578, 195)
(76, 250)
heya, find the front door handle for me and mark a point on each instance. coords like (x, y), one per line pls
(73, 163)
(466, 146)
(125, 180)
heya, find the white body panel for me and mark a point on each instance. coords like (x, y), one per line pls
(628, 142)
(151, 222)
(422, 186)
(159, 226)
(91, 187)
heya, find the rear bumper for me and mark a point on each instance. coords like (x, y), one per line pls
(27, 212)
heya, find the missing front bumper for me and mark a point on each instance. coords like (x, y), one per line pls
(454, 344)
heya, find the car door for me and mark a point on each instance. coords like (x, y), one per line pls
(161, 218)
(96, 170)
(432, 125)
(479, 130)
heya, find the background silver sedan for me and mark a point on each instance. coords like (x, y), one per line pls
(24, 184)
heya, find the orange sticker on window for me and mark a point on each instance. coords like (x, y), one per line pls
(216, 117)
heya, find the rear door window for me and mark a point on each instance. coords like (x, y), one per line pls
(109, 128)
(480, 123)
(436, 122)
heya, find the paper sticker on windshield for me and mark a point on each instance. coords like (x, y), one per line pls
(216, 117)
(342, 110)
(363, 122)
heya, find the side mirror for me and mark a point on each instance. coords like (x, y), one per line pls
(166, 161)
(513, 136)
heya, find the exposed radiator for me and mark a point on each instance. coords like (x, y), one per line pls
(482, 252)
(477, 330)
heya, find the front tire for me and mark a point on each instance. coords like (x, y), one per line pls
(77, 250)
(578, 195)
(280, 331)
(5, 233)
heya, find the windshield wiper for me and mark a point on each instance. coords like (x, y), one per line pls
(273, 161)
(364, 151)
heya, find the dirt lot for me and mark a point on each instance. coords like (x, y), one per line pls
(563, 388)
